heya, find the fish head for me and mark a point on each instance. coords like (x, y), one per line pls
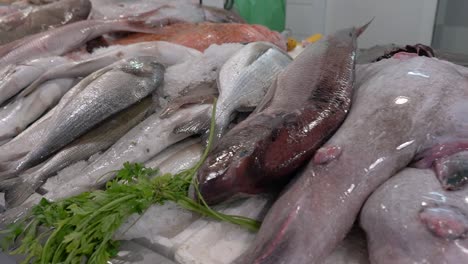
(351, 34)
(144, 66)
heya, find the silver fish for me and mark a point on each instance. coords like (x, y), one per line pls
(16, 77)
(17, 190)
(18, 114)
(100, 95)
(167, 54)
(243, 82)
(36, 19)
(140, 144)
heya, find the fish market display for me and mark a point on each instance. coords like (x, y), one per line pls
(100, 95)
(412, 219)
(103, 136)
(402, 108)
(243, 82)
(201, 36)
(36, 19)
(306, 103)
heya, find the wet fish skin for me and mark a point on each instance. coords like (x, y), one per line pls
(412, 219)
(16, 77)
(140, 144)
(34, 19)
(17, 190)
(117, 87)
(17, 115)
(305, 104)
(393, 106)
(168, 54)
(243, 82)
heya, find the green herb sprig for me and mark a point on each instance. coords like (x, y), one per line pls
(80, 229)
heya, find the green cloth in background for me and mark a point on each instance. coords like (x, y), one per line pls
(270, 13)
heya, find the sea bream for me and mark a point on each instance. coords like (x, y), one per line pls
(242, 83)
(100, 138)
(35, 19)
(99, 95)
(304, 106)
(412, 219)
(403, 107)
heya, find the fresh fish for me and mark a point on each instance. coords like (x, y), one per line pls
(197, 76)
(352, 250)
(243, 82)
(100, 95)
(195, 35)
(401, 108)
(167, 54)
(17, 115)
(14, 78)
(140, 144)
(64, 39)
(411, 219)
(17, 190)
(36, 19)
(306, 103)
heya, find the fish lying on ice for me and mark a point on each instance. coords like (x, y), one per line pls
(17, 190)
(100, 95)
(412, 219)
(401, 108)
(242, 82)
(17, 115)
(167, 54)
(306, 103)
(201, 36)
(34, 19)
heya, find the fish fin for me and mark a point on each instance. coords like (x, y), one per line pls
(180, 102)
(198, 125)
(16, 191)
(7, 170)
(265, 102)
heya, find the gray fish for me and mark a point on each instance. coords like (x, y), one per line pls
(141, 143)
(17, 115)
(167, 54)
(16, 77)
(100, 95)
(17, 190)
(243, 82)
(35, 19)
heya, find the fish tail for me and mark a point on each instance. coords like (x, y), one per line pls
(16, 191)
(143, 20)
(8, 170)
(198, 125)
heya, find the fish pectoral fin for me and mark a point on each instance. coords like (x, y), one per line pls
(180, 102)
(452, 171)
(198, 125)
(16, 191)
(265, 102)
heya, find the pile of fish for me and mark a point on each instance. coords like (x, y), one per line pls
(344, 162)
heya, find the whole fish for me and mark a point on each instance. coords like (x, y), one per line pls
(100, 95)
(306, 103)
(17, 190)
(401, 108)
(412, 219)
(140, 144)
(167, 54)
(64, 39)
(36, 19)
(17, 115)
(197, 76)
(352, 250)
(201, 36)
(14, 78)
(243, 82)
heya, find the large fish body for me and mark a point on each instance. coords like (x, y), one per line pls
(99, 139)
(17, 115)
(139, 145)
(16, 77)
(242, 82)
(100, 95)
(304, 106)
(401, 108)
(34, 19)
(412, 219)
(201, 36)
